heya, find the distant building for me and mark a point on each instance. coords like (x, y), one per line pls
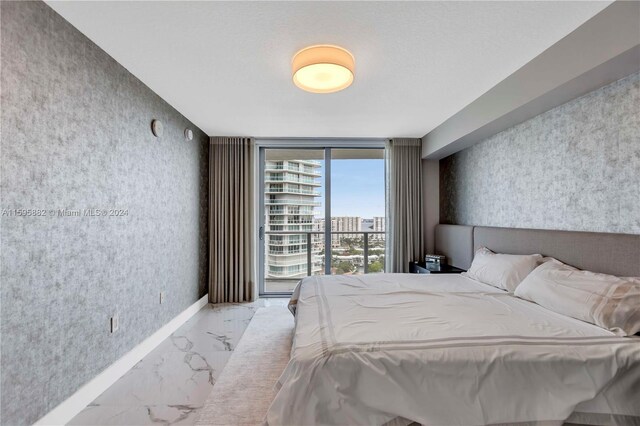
(367, 225)
(378, 226)
(339, 224)
(290, 193)
(345, 224)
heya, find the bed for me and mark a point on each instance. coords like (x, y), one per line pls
(447, 350)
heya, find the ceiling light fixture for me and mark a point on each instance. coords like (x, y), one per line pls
(323, 69)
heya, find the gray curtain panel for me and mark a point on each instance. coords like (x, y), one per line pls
(231, 220)
(404, 204)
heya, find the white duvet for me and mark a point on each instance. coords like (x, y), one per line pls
(447, 350)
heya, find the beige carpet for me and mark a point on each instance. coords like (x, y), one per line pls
(243, 392)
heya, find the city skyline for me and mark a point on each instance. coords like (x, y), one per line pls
(357, 188)
(294, 201)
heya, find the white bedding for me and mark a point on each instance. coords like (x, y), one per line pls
(446, 350)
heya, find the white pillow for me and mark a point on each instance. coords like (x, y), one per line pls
(504, 271)
(607, 301)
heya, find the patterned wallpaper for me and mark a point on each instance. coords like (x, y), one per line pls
(575, 167)
(75, 137)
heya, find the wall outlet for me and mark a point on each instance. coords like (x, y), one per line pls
(115, 323)
(162, 296)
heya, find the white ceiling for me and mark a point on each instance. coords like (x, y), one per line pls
(226, 65)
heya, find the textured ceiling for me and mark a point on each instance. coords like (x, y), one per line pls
(226, 65)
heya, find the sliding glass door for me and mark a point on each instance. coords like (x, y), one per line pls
(293, 197)
(357, 211)
(322, 212)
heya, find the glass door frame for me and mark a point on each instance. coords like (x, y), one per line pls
(325, 144)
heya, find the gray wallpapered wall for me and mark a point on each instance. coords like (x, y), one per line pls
(76, 135)
(575, 167)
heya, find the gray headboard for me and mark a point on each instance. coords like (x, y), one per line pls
(616, 254)
(455, 242)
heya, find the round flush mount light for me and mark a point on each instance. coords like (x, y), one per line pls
(323, 69)
(188, 134)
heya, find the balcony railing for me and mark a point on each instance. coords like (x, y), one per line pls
(286, 253)
(293, 211)
(269, 178)
(290, 222)
(305, 170)
(292, 227)
(271, 190)
(292, 202)
(311, 250)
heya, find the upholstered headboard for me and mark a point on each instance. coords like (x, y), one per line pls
(616, 254)
(455, 242)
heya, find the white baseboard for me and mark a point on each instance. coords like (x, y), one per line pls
(69, 408)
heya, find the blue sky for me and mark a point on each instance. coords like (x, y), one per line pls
(357, 188)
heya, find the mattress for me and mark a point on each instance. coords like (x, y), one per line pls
(446, 350)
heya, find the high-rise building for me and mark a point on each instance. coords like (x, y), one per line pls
(341, 224)
(345, 224)
(378, 226)
(290, 193)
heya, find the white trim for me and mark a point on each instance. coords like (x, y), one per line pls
(320, 142)
(73, 405)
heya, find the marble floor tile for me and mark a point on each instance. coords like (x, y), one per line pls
(273, 302)
(170, 384)
(219, 329)
(164, 378)
(136, 415)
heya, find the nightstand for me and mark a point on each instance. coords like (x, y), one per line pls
(432, 268)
